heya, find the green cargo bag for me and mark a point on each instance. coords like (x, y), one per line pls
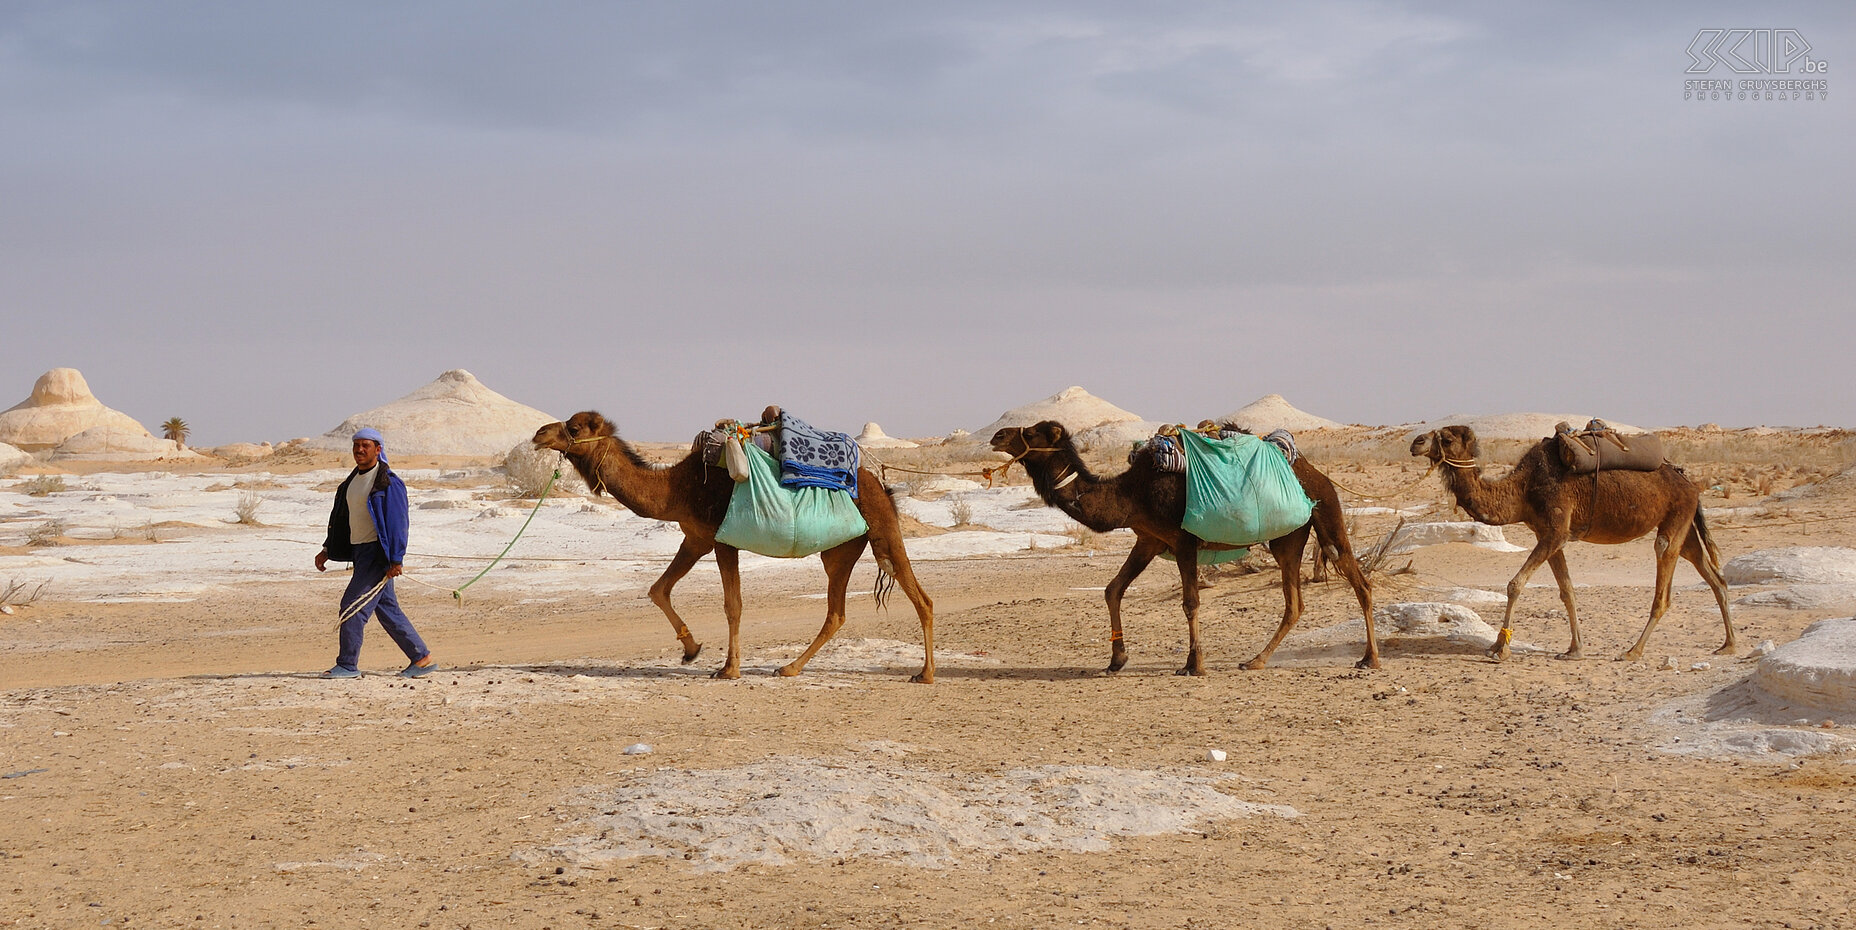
(1240, 490)
(767, 518)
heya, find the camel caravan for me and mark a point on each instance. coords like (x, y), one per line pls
(1195, 496)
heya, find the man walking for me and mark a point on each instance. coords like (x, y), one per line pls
(368, 527)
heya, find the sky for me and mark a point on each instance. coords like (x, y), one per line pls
(264, 217)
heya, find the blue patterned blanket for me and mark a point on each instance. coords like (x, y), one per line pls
(815, 458)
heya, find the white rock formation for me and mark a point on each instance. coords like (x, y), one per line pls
(1818, 669)
(60, 406)
(1793, 565)
(1804, 597)
(12, 458)
(1414, 536)
(113, 444)
(1272, 412)
(242, 451)
(873, 437)
(1121, 434)
(1075, 408)
(529, 468)
(454, 415)
(1430, 620)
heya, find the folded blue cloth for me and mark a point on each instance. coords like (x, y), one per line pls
(815, 458)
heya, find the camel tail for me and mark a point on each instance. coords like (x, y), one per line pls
(885, 583)
(1707, 539)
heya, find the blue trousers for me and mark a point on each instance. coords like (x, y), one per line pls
(370, 567)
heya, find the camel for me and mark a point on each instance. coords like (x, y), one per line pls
(1153, 504)
(1608, 507)
(695, 495)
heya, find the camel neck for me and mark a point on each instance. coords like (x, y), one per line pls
(1493, 502)
(613, 467)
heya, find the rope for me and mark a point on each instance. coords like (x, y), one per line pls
(1386, 494)
(458, 593)
(361, 602)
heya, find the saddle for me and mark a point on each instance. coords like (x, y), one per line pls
(1169, 456)
(1598, 447)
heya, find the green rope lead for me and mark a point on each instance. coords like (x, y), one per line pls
(458, 595)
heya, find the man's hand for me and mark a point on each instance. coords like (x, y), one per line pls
(322, 561)
(393, 571)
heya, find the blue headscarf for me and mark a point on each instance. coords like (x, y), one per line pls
(368, 432)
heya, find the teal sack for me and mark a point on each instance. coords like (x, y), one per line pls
(1213, 556)
(767, 518)
(1240, 490)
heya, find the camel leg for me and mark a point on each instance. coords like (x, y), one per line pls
(1145, 548)
(1543, 550)
(686, 557)
(1666, 555)
(1563, 576)
(891, 557)
(1363, 592)
(1288, 553)
(1187, 551)
(1697, 554)
(839, 561)
(728, 559)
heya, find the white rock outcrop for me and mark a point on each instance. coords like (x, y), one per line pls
(1272, 412)
(60, 406)
(454, 415)
(1810, 565)
(530, 468)
(113, 444)
(1414, 536)
(1077, 409)
(12, 458)
(873, 437)
(1818, 669)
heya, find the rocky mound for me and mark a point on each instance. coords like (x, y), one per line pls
(1077, 409)
(873, 437)
(113, 444)
(60, 406)
(1818, 669)
(454, 415)
(11, 458)
(1272, 412)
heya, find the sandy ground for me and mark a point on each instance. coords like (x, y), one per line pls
(179, 765)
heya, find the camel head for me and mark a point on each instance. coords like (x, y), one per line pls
(1448, 443)
(562, 437)
(1021, 441)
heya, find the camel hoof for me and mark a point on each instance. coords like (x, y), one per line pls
(1254, 664)
(689, 655)
(726, 674)
(1499, 655)
(1367, 662)
(1189, 670)
(924, 678)
(788, 671)
(1571, 655)
(1634, 655)
(1728, 648)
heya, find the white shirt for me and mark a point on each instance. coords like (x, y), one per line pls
(360, 522)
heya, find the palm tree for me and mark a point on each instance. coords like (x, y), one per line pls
(176, 429)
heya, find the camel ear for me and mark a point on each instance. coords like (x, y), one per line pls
(1049, 432)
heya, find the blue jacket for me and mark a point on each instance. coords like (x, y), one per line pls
(386, 503)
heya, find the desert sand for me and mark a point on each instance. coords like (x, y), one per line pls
(171, 759)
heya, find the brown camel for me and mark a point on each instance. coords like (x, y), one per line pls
(1153, 504)
(695, 496)
(1604, 507)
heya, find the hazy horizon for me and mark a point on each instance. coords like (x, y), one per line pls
(264, 218)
